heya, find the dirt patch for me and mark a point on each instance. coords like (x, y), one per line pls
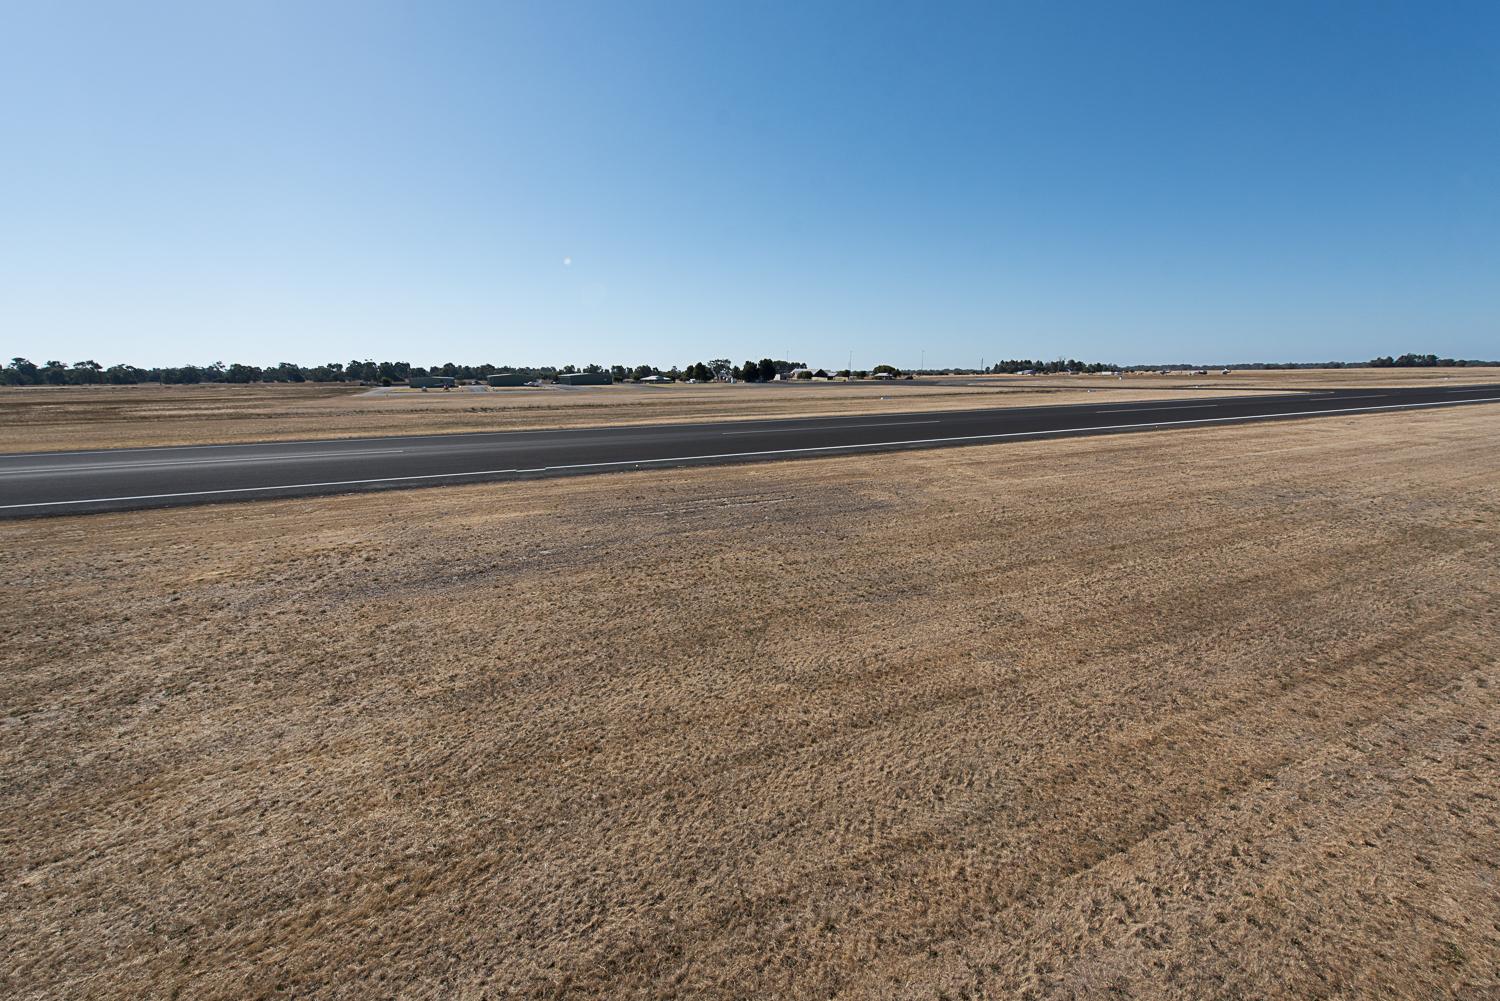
(1191, 714)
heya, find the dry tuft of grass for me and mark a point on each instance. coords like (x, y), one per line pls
(1206, 714)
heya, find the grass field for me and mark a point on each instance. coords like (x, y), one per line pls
(1205, 714)
(45, 419)
(1289, 379)
(83, 417)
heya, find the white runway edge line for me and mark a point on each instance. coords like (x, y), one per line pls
(746, 455)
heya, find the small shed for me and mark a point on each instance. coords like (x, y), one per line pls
(506, 379)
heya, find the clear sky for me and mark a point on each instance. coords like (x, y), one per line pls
(638, 182)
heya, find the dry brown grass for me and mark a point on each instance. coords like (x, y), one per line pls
(45, 419)
(1206, 714)
(1288, 379)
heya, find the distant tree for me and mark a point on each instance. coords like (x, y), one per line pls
(887, 369)
(767, 370)
(26, 371)
(124, 375)
(749, 372)
(86, 372)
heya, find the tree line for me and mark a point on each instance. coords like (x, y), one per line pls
(24, 372)
(1423, 361)
(1013, 366)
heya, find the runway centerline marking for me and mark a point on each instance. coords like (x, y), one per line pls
(833, 427)
(1146, 410)
(96, 466)
(741, 455)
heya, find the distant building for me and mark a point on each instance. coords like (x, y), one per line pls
(506, 379)
(800, 373)
(431, 381)
(585, 379)
(655, 378)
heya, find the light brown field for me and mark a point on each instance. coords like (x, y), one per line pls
(1285, 379)
(1207, 714)
(45, 419)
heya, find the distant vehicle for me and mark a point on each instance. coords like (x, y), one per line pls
(1200, 371)
(1224, 372)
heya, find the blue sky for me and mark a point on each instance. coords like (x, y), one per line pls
(576, 182)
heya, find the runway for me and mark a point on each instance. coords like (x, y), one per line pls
(53, 483)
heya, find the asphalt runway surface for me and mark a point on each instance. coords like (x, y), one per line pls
(52, 483)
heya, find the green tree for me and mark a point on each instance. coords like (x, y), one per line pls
(87, 372)
(27, 373)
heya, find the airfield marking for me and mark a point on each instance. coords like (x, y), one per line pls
(740, 455)
(835, 427)
(1146, 410)
(23, 470)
